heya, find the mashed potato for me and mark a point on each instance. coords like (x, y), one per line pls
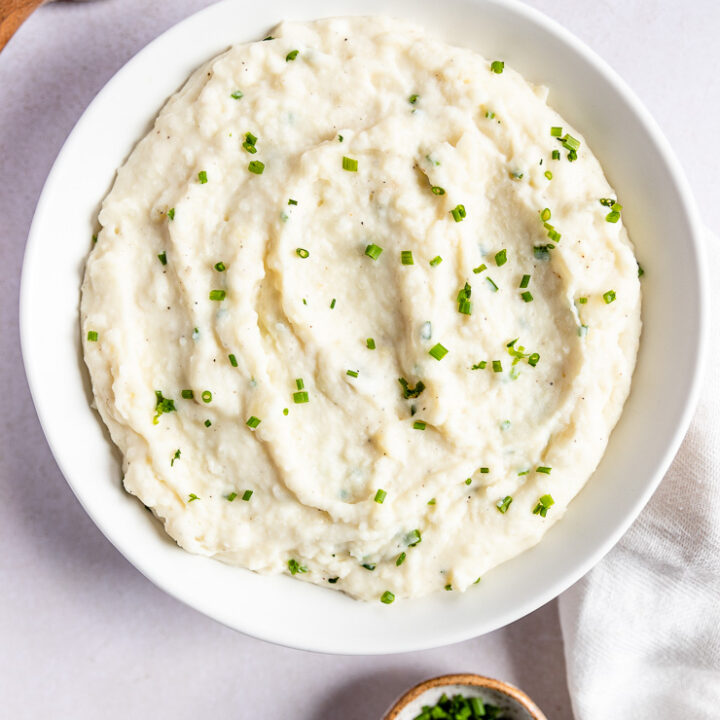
(362, 309)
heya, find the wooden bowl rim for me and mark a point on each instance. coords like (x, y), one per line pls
(465, 679)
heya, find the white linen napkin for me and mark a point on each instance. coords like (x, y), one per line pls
(642, 629)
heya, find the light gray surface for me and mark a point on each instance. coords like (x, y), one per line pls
(84, 635)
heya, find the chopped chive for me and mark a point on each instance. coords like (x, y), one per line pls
(340, 138)
(301, 397)
(370, 344)
(352, 373)
(292, 202)
(162, 257)
(545, 502)
(192, 496)
(479, 269)
(497, 66)
(349, 164)
(517, 175)
(187, 394)
(253, 422)
(249, 143)
(247, 495)
(171, 214)
(484, 470)
(373, 251)
(607, 202)
(413, 99)
(380, 496)
(609, 297)
(501, 257)
(641, 272)
(527, 296)
(463, 299)
(332, 304)
(448, 587)
(548, 175)
(302, 252)
(411, 392)
(490, 115)
(400, 559)
(542, 252)
(202, 177)
(614, 215)
(162, 405)
(369, 566)
(419, 425)
(206, 396)
(555, 154)
(295, 567)
(582, 300)
(492, 285)
(286, 411)
(458, 213)
(217, 295)
(533, 359)
(291, 55)
(437, 190)
(256, 167)
(413, 538)
(545, 214)
(431, 501)
(555, 131)
(436, 261)
(480, 366)
(300, 383)
(92, 336)
(497, 365)
(543, 469)
(208, 423)
(231, 496)
(387, 597)
(332, 581)
(524, 282)
(582, 331)
(406, 257)
(233, 360)
(504, 504)
(236, 95)
(438, 351)
(220, 266)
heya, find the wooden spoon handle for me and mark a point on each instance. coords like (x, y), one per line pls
(12, 15)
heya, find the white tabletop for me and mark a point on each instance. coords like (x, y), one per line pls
(82, 633)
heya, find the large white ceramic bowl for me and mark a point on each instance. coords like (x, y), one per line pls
(659, 214)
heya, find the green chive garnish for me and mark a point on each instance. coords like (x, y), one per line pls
(548, 175)
(479, 269)
(380, 496)
(202, 177)
(387, 597)
(295, 567)
(497, 365)
(501, 258)
(352, 373)
(609, 297)
(438, 351)
(162, 257)
(253, 422)
(492, 285)
(555, 154)
(555, 131)
(527, 296)
(208, 423)
(533, 359)
(497, 66)
(206, 396)
(233, 360)
(291, 55)
(92, 336)
(400, 559)
(543, 469)
(171, 213)
(256, 167)
(406, 257)
(413, 538)
(545, 502)
(419, 425)
(370, 343)
(247, 495)
(524, 282)
(458, 213)
(192, 496)
(302, 252)
(582, 300)
(231, 496)
(217, 295)
(249, 143)
(349, 164)
(236, 95)
(437, 190)
(504, 504)
(480, 366)
(220, 266)
(484, 470)
(301, 397)
(436, 261)
(162, 405)
(411, 392)
(413, 99)
(373, 251)
(187, 394)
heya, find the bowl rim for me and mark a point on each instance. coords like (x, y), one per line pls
(580, 567)
(524, 700)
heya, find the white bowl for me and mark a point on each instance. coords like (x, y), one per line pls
(660, 216)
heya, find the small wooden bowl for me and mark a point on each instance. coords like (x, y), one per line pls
(516, 704)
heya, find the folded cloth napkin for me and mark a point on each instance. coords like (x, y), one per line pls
(642, 629)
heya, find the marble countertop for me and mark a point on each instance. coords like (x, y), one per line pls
(82, 633)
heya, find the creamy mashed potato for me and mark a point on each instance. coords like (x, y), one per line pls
(362, 309)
